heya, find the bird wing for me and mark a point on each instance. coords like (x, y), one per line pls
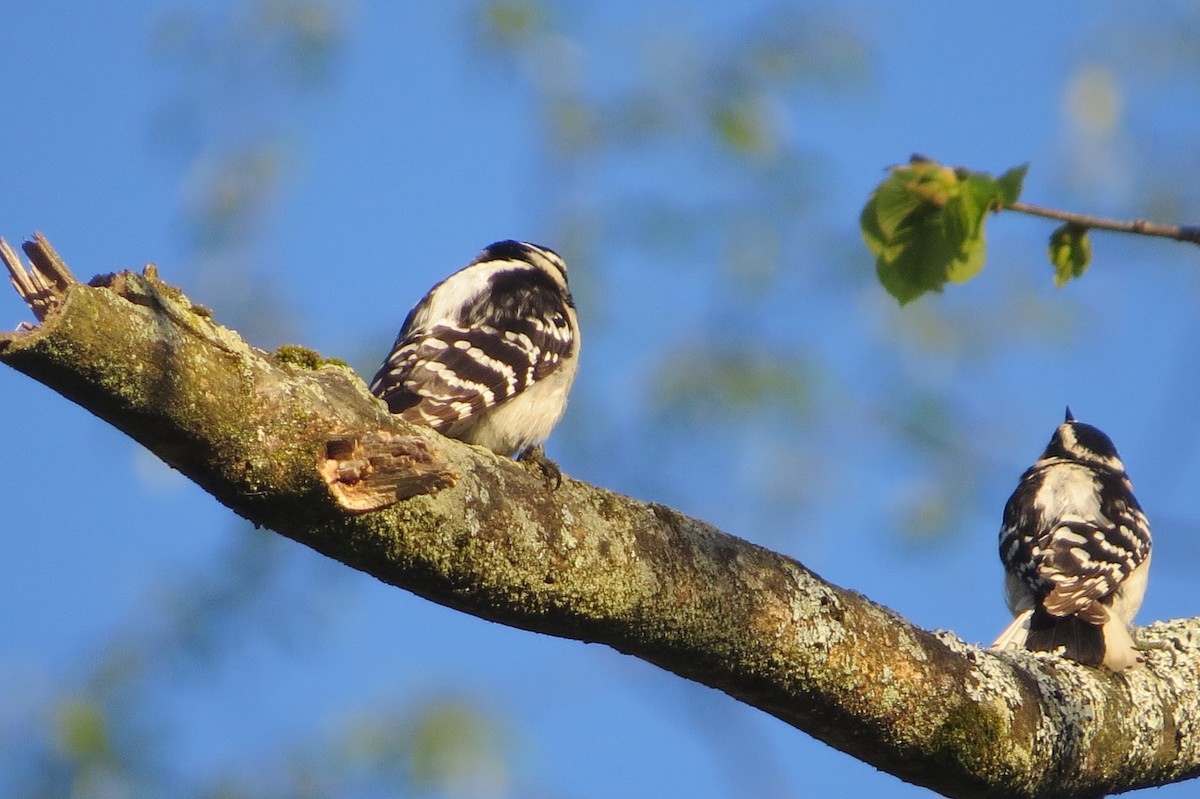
(1086, 560)
(446, 374)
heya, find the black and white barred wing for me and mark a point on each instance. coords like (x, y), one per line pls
(450, 374)
(1085, 561)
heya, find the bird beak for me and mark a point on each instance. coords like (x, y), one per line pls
(1070, 416)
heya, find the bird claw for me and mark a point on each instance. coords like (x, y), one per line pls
(1170, 646)
(534, 457)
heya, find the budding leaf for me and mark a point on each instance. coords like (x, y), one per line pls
(925, 224)
(1011, 183)
(1070, 253)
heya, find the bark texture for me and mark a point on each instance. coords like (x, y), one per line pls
(304, 449)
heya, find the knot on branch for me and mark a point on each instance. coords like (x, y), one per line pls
(377, 469)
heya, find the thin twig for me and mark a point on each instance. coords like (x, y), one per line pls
(1190, 233)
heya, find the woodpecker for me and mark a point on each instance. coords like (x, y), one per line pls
(1076, 552)
(488, 356)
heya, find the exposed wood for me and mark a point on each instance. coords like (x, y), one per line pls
(373, 471)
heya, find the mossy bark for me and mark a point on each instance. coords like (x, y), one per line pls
(279, 441)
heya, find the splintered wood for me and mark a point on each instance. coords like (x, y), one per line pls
(44, 283)
(372, 471)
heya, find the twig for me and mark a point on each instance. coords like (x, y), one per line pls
(1190, 233)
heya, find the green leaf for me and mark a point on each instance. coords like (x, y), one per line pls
(925, 224)
(1011, 183)
(894, 204)
(1070, 253)
(922, 256)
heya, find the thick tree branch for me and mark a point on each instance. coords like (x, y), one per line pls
(309, 453)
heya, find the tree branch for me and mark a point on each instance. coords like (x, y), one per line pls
(308, 452)
(1188, 233)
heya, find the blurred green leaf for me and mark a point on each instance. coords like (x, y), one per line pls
(82, 731)
(448, 746)
(456, 749)
(1070, 252)
(927, 514)
(513, 18)
(700, 382)
(925, 224)
(819, 46)
(742, 126)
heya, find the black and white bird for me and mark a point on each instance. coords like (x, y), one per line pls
(1076, 551)
(489, 354)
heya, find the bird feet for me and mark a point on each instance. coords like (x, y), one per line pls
(535, 458)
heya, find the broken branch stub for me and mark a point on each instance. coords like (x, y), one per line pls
(173, 377)
(43, 285)
(370, 472)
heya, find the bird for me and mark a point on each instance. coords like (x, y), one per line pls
(1075, 546)
(489, 354)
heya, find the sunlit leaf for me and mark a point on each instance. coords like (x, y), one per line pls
(1070, 253)
(925, 224)
(1011, 183)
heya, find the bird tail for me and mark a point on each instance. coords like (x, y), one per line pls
(1081, 641)
(1014, 635)
(1109, 645)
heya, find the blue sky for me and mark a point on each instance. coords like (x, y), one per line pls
(423, 147)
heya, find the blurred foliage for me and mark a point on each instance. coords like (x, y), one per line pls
(751, 255)
(82, 733)
(446, 747)
(106, 737)
(702, 385)
(512, 22)
(1094, 101)
(241, 76)
(110, 737)
(441, 748)
(240, 72)
(680, 108)
(1127, 146)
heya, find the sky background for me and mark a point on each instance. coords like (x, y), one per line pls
(309, 170)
